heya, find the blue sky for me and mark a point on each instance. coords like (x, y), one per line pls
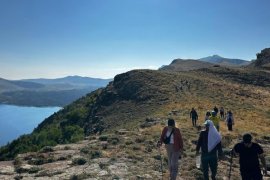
(101, 38)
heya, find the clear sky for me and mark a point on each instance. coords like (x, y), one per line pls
(101, 38)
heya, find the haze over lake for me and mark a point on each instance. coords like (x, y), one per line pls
(19, 120)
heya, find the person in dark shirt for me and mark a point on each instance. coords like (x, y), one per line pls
(209, 142)
(250, 153)
(194, 116)
(215, 109)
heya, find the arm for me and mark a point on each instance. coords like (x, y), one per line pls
(162, 136)
(199, 144)
(181, 141)
(219, 148)
(262, 158)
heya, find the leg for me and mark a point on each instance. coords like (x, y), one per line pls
(256, 174)
(204, 161)
(174, 163)
(230, 127)
(213, 166)
(246, 175)
(169, 148)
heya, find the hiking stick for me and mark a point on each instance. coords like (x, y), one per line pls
(231, 159)
(161, 165)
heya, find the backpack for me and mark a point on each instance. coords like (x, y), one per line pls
(229, 121)
(168, 139)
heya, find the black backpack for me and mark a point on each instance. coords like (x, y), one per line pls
(168, 139)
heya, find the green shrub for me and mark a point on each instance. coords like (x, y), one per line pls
(95, 154)
(103, 138)
(85, 150)
(79, 161)
(140, 139)
(129, 142)
(136, 147)
(46, 149)
(33, 170)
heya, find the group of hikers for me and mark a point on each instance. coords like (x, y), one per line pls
(213, 116)
(209, 143)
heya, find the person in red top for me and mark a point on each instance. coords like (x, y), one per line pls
(174, 146)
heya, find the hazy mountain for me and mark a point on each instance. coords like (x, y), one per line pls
(73, 80)
(48, 92)
(216, 59)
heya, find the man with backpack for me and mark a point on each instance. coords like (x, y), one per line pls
(173, 141)
(194, 116)
(229, 120)
(250, 153)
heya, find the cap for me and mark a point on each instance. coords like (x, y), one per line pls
(213, 113)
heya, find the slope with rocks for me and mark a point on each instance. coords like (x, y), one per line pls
(123, 121)
(186, 65)
(263, 60)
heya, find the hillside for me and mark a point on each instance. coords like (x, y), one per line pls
(123, 121)
(48, 92)
(186, 65)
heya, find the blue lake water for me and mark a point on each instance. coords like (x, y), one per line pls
(19, 120)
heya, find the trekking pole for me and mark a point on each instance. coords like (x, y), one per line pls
(161, 165)
(231, 159)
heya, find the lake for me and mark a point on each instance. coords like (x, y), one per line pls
(19, 120)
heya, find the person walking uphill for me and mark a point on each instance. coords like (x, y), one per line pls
(194, 116)
(229, 120)
(209, 142)
(250, 153)
(173, 141)
(215, 119)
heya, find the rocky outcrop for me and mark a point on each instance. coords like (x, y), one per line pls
(263, 60)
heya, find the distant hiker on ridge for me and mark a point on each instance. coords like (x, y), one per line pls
(209, 142)
(215, 119)
(193, 116)
(221, 112)
(230, 120)
(250, 153)
(172, 139)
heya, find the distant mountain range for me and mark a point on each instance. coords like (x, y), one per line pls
(216, 59)
(48, 92)
(210, 61)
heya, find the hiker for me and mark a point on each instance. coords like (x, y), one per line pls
(229, 120)
(215, 119)
(215, 109)
(174, 146)
(250, 153)
(193, 116)
(221, 112)
(207, 115)
(209, 142)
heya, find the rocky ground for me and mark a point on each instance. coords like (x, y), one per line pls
(123, 154)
